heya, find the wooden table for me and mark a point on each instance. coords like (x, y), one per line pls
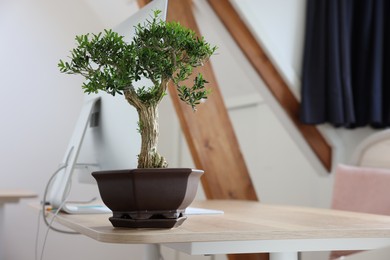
(249, 227)
(9, 196)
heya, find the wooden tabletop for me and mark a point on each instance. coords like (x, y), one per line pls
(14, 195)
(243, 221)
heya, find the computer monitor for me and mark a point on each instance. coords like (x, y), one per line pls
(106, 129)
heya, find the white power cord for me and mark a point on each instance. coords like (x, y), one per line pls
(50, 227)
(37, 236)
(43, 209)
(44, 216)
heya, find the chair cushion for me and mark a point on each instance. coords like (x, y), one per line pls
(362, 189)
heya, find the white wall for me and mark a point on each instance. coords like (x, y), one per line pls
(38, 109)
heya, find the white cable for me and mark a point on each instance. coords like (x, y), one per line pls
(43, 212)
(50, 227)
(44, 203)
(37, 236)
(63, 202)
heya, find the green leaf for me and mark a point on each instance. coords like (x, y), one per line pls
(160, 51)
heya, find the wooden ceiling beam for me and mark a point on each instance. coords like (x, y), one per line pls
(209, 132)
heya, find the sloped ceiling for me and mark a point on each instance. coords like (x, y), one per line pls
(112, 13)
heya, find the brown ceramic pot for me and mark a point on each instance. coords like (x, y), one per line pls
(148, 198)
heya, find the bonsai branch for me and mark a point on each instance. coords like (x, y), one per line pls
(160, 51)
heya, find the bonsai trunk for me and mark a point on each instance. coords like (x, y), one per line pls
(148, 126)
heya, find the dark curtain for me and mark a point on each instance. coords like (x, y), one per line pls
(346, 70)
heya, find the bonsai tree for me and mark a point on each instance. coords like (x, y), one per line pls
(160, 51)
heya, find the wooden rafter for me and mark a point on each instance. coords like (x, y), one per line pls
(215, 151)
(271, 77)
(209, 132)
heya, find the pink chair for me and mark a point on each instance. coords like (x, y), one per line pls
(361, 189)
